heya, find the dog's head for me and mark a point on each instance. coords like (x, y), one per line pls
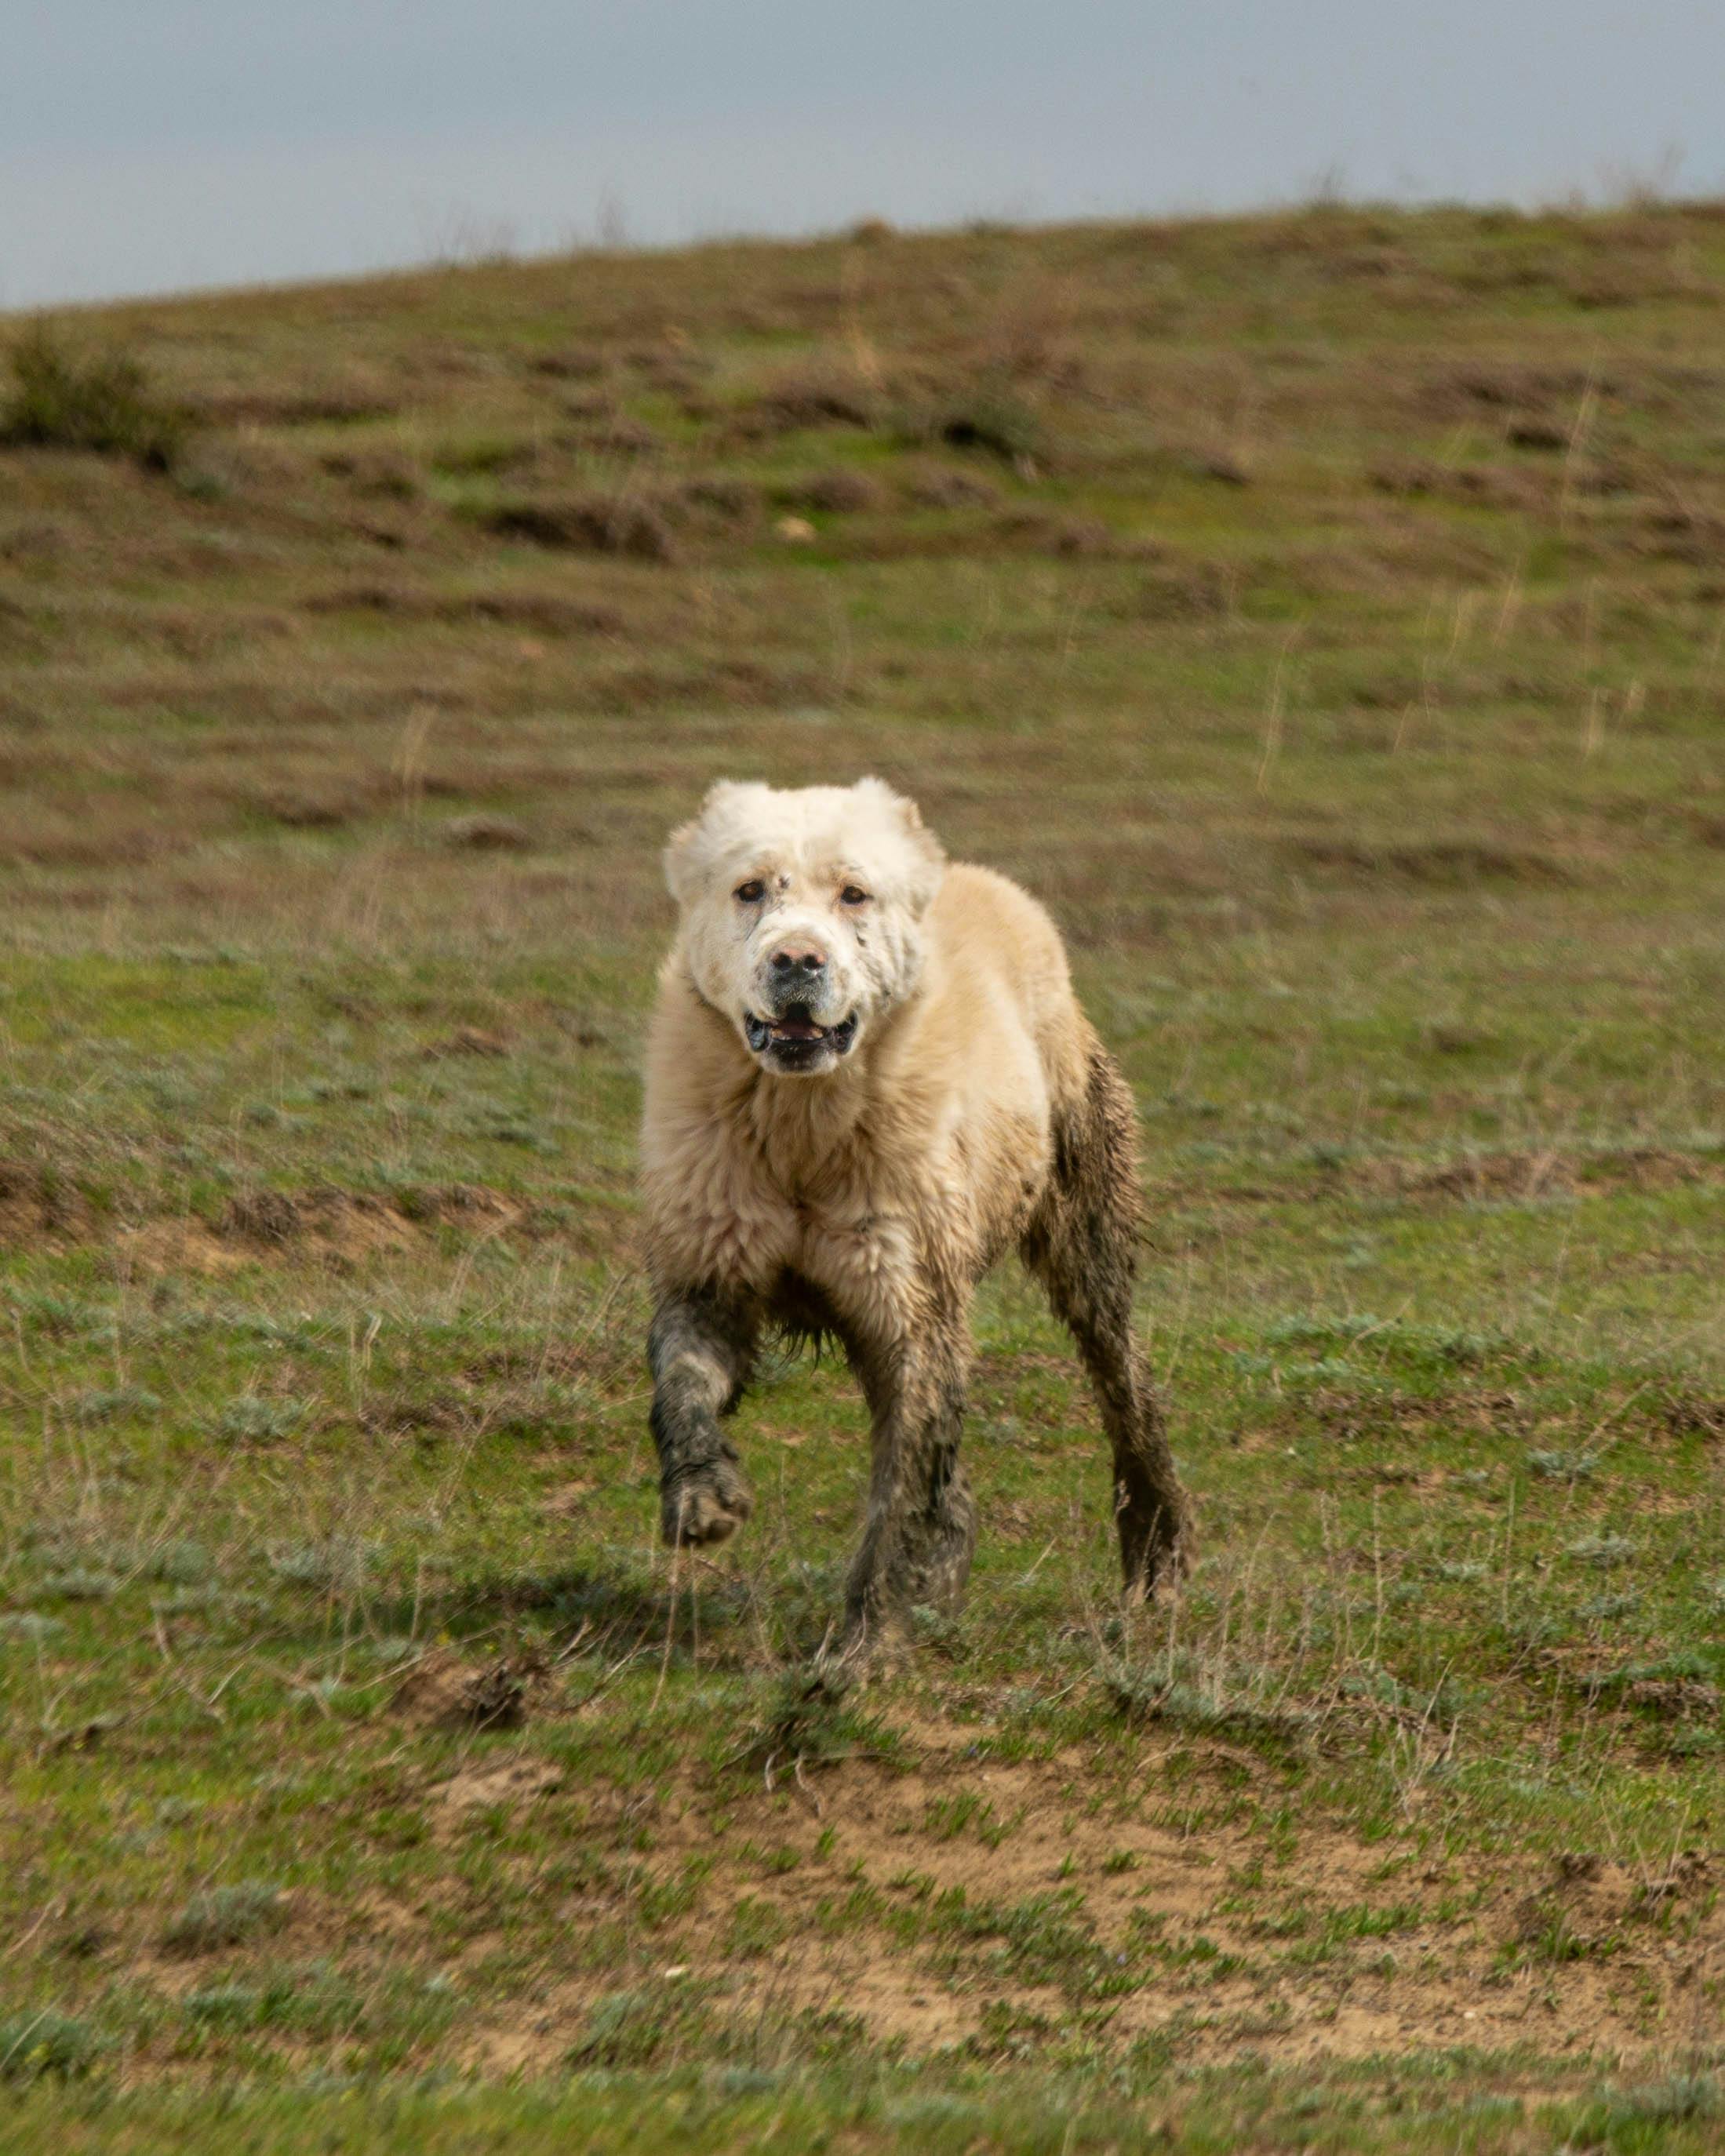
(802, 912)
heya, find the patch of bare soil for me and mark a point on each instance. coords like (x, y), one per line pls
(1336, 1949)
(442, 1691)
(508, 1783)
(38, 1210)
(340, 1227)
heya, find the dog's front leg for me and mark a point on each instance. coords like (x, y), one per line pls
(920, 1526)
(700, 1347)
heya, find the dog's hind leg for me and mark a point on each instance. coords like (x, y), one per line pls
(1082, 1246)
(700, 1347)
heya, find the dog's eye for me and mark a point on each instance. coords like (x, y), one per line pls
(752, 893)
(853, 895)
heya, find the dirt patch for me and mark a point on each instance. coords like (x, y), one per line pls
(39, 1209)
(181, 1246)
(506, 1784)
(341, 1227)
(467, 1041)
(946, 1902)
(444, 1692)
(347, 1225)
(569, 1500)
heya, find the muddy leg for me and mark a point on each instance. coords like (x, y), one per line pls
(920, 1529)
(1082, 1247)
(699, 1348)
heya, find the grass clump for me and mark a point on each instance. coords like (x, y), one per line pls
(1628, 2115)
(989, 421)
(1152, 1695)
(642, 2028)
(1560, 1467)
(37, 2046)
(225, 1917)
(104, 403)
(80, 1583)
(252, 1420)
(338, 1566)
(110, 1403)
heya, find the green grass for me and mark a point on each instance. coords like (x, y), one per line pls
(370, 1769)
(1496, 2107)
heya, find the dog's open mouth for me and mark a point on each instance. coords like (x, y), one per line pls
(794, 1037)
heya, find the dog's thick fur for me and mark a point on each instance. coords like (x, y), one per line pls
(935, 1099)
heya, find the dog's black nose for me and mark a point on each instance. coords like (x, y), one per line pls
(792, 960)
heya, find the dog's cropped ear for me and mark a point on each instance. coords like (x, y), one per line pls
(925, 857)
(690, 848)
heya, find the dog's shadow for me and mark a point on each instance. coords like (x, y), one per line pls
(612, 1611)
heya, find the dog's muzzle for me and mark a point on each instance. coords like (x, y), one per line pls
(795, 1040)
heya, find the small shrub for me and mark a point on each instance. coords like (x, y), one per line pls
(110, 1404)
(817, 392)
(226, 2005)
(81, 1583)
(1564, 1467)
(994, 422)
(103, 403)
(225, 1917)
(182, 1563)
(33, 2046)
(589, 524)
(251, 1419)
(719, 500)
(641, 2028)
(944, 486)
(1157, 1695)
(1603, 1550)
(1663, 1682)
(835, 491)
(1681, 2097)
(336, 1566)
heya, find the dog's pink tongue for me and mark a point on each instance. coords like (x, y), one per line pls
(797, 1028)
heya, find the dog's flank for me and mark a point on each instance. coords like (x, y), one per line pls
(868, 1080)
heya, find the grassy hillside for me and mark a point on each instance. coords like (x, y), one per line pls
(1325, 616)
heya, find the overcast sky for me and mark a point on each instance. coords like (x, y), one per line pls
(152, 145)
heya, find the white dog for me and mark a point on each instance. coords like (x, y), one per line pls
(868, 1079)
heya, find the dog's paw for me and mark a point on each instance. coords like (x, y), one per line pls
(707, 1505)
